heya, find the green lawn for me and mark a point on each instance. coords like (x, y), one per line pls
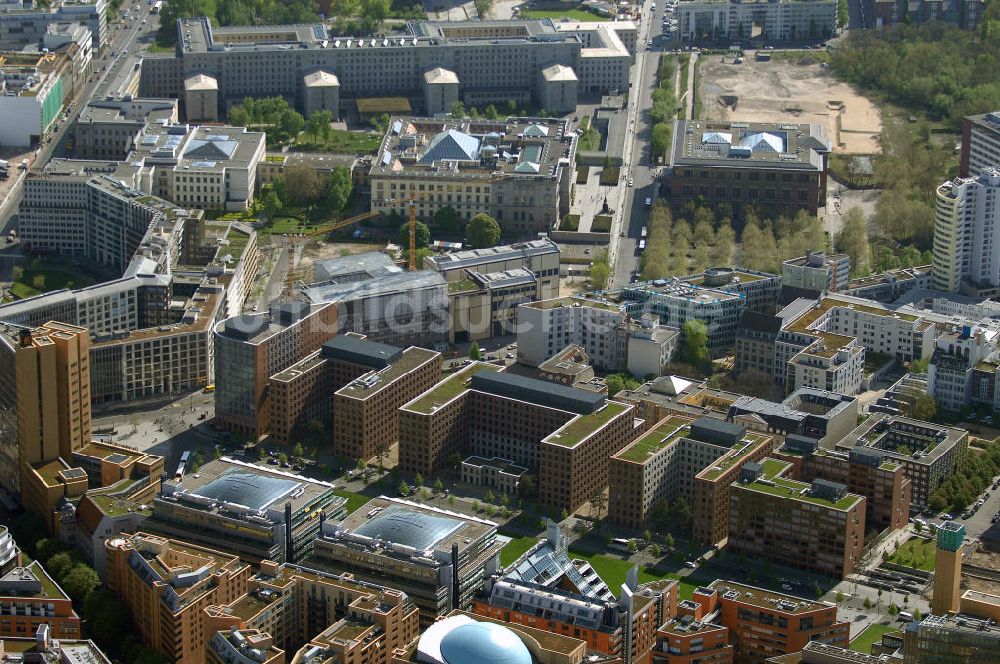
(572, 14)
(354, 500)
(613, 570)
(54, 277)
(344, 142)
(863, 641)
(515, 547)
(917, 553)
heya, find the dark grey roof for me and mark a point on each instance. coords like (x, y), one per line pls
(244, 327)
(870, 456)
(751, 320)
(826, 489)
(801, 444)
(536, 391)
(290, 312)
(789, 294)
(350, 348)
(712, 430)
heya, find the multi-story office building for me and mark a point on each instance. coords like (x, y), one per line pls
(318, 615)
(864, 470)
(928, 453)
(379, 299)
(951, 638)
(30, 599)
(889, 286)
(967, 234)
(486, 305)
(22, 25)
(354, 384)
(207, 168)
(519, 171)
(817, 414)
(682, 458)
(437, 557)
(548, 326)
(963, 368)
(261, 514)
(964, 14)
(242, 645)
(818, 527)
(980, 144)
(433, 63)
(565, 434)
(32, 102)
(817, 271)
(249, 349)
(759, 289)
(167, 584)
(42, 647)
(764, 624)
(546, 589)
(780, 168)
(756, 335)
(541, 256)
(111, 128)
(787, 20)
(688, 640)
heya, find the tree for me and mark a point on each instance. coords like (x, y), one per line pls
(360, 465)
(669, 540)
(318, 125)
(853, 240)
(475, 506)
(446, 219)
(438, 485)
(59, 564)
(923, 408)
(422, 235)
(262, 454)
(489, 497)
(647, 535)
(474, 351)
(868, 603)
(374, 12)
(290, 123)
(839, 597)
(917, 616)
(79, 582)
(526, 487)
(654, 550)
(598, 502)
(632, 546)
(216, 453)
(694, 345)
(483, 231)
(404, 489)
(298, 451)
(339, 188)
(917, 526)
(38, 282)
(457, 110)
(418, 480)
(282, 458)
(272, 205)
(304, 184)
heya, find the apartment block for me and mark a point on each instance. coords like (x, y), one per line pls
(966, 228)
(865, 471)
(765, 624)
(30, 599)
(819, 527)
(687, 640)
(548, 590)
(929, 453)
(22, 25)
(779, 167)
(42, 647)
(110, 128)
(963, 368)
(547, 327)
(963, 14)
(788, 20)
(437, 557)
(432, 63)
(317, 616)
(240, 645)
(817, 271)
(681, 458)
(465, 164)
(980, 144)
(167, 584)
(565, 434)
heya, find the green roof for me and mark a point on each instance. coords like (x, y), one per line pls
(449, 388)
(462, 285)
(774, 467)
(781, 487)
(582, 426)
(656, 439)
(738, 453)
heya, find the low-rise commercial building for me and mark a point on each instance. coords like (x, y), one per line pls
(819, 527)
(439, 558)
(779, 167)
(928, 453)
(261, 514)
(565, 434)
(30, 599)
(519, 171)
(167, 584)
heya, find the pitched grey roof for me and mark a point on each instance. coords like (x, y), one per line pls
(451, 145)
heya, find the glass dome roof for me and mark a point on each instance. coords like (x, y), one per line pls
(483, 643)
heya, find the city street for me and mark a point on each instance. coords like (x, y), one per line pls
(636, 155)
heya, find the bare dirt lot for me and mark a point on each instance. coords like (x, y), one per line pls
(778, 91)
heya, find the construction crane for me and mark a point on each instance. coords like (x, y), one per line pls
(350, 221)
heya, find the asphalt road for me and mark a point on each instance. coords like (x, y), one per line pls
(625, 235)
